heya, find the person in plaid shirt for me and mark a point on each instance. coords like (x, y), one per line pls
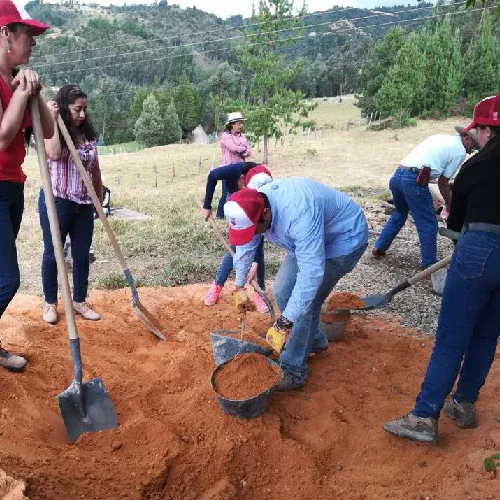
(74, 205)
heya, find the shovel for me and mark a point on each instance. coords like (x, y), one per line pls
(255, 285)
(144, 315)
(84, 406)
(381, 300)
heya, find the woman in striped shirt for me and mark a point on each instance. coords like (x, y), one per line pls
(74, 205)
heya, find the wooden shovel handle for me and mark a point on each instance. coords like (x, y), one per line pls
(53, 220)
(431, 269)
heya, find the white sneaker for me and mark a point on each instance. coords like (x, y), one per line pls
(10, 361)
(50, 313)
(86, 311)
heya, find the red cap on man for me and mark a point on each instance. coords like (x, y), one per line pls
(243, 210)
(14, 12)
(486, 112)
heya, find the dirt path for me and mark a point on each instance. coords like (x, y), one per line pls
(173, 442)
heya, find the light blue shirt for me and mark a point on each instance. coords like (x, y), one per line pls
(313, 222)
(443, 153)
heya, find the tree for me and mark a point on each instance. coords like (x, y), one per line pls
(270, 104)
(444, 69)
(187, 103)
(149, 128)
(403, 89)
(173, 130)
(481, 64)
(380, 59)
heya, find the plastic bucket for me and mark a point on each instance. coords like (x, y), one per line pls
(245, 408)
(438, 279)
(334, 328)
(225, 348)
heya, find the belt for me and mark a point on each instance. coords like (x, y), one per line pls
(482, 226)
(414, 170)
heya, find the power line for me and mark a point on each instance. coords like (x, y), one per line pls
(243, 26)
(170, 56)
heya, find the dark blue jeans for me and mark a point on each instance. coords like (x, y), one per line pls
(226, 266)
(469, 324)
(408, 197)
(77, 221)
(222, 201)
(11, 214)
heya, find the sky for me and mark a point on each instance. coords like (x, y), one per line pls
(227, 8)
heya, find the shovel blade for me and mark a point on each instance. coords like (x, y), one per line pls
(376, 301)
(148, 320)
(86, 408)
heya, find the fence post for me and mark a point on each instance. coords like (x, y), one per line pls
(199, 165)
(117, 180)
(138, 182)
(155, 170)
(315, 133)
(308, 133)
(173, 169)
(258, 144)
(185, 166)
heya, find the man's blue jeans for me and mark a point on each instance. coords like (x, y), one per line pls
(11, 214)
(77, 220)
(306, 334)
(226, 266)
(469, 324)
(408, 197)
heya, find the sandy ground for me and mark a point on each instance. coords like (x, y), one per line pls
(174, 442)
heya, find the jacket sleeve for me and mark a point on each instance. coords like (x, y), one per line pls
(458, 208)
(248, 151)
(259, 254)
(218, 174)
(227, 141)
(308, 235)
(243, 258)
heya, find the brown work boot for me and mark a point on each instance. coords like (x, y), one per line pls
(413, 427)
(377, 254)
(463, 414)
(10, 361)
(84, 310)
(50, 313)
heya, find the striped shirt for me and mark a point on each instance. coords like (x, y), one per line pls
(235, 148)
(66, 180)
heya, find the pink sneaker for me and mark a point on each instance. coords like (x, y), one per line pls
(212, 296)
(260, 305)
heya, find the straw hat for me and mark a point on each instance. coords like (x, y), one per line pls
(234, 117)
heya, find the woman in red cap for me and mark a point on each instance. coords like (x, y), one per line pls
(468, 328)
(17, 30)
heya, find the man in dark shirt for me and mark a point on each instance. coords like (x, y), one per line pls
(468, 329)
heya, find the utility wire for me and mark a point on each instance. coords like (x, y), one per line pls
(300, 37)
(418, 8)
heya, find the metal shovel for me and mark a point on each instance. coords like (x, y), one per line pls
(84, 406)
(144, 315)
(381, 300)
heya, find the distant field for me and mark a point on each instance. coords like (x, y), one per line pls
(176, 246)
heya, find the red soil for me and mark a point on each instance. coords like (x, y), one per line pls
(344, 300)
(174, 442)
(245, 377)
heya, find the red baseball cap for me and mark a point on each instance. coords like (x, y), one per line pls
(257, 177)
(486, 112)
(14, 12)
(243, 209)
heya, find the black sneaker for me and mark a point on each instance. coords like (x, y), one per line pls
(10, 361)
(289, 383)
(463, 414)
(412, 427)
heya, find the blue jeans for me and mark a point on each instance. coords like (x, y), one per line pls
(11, 214)
(77, 220)
(222, 201)
(306, 334)
(469, 324)
(408, 197)
(226, 266)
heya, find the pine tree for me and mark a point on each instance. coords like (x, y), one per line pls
(481, 64)
(173, 130)
(380, 60)
(403, 90)
(187, 103)
(149, 128)
(444, 69)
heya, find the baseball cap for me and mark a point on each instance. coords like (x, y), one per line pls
(14, 12)
(257, 177)
(486, 112)
(243, 209)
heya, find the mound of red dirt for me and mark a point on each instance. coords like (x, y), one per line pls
(174, 442)
(344, 300)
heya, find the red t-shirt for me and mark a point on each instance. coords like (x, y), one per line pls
(12, 158)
